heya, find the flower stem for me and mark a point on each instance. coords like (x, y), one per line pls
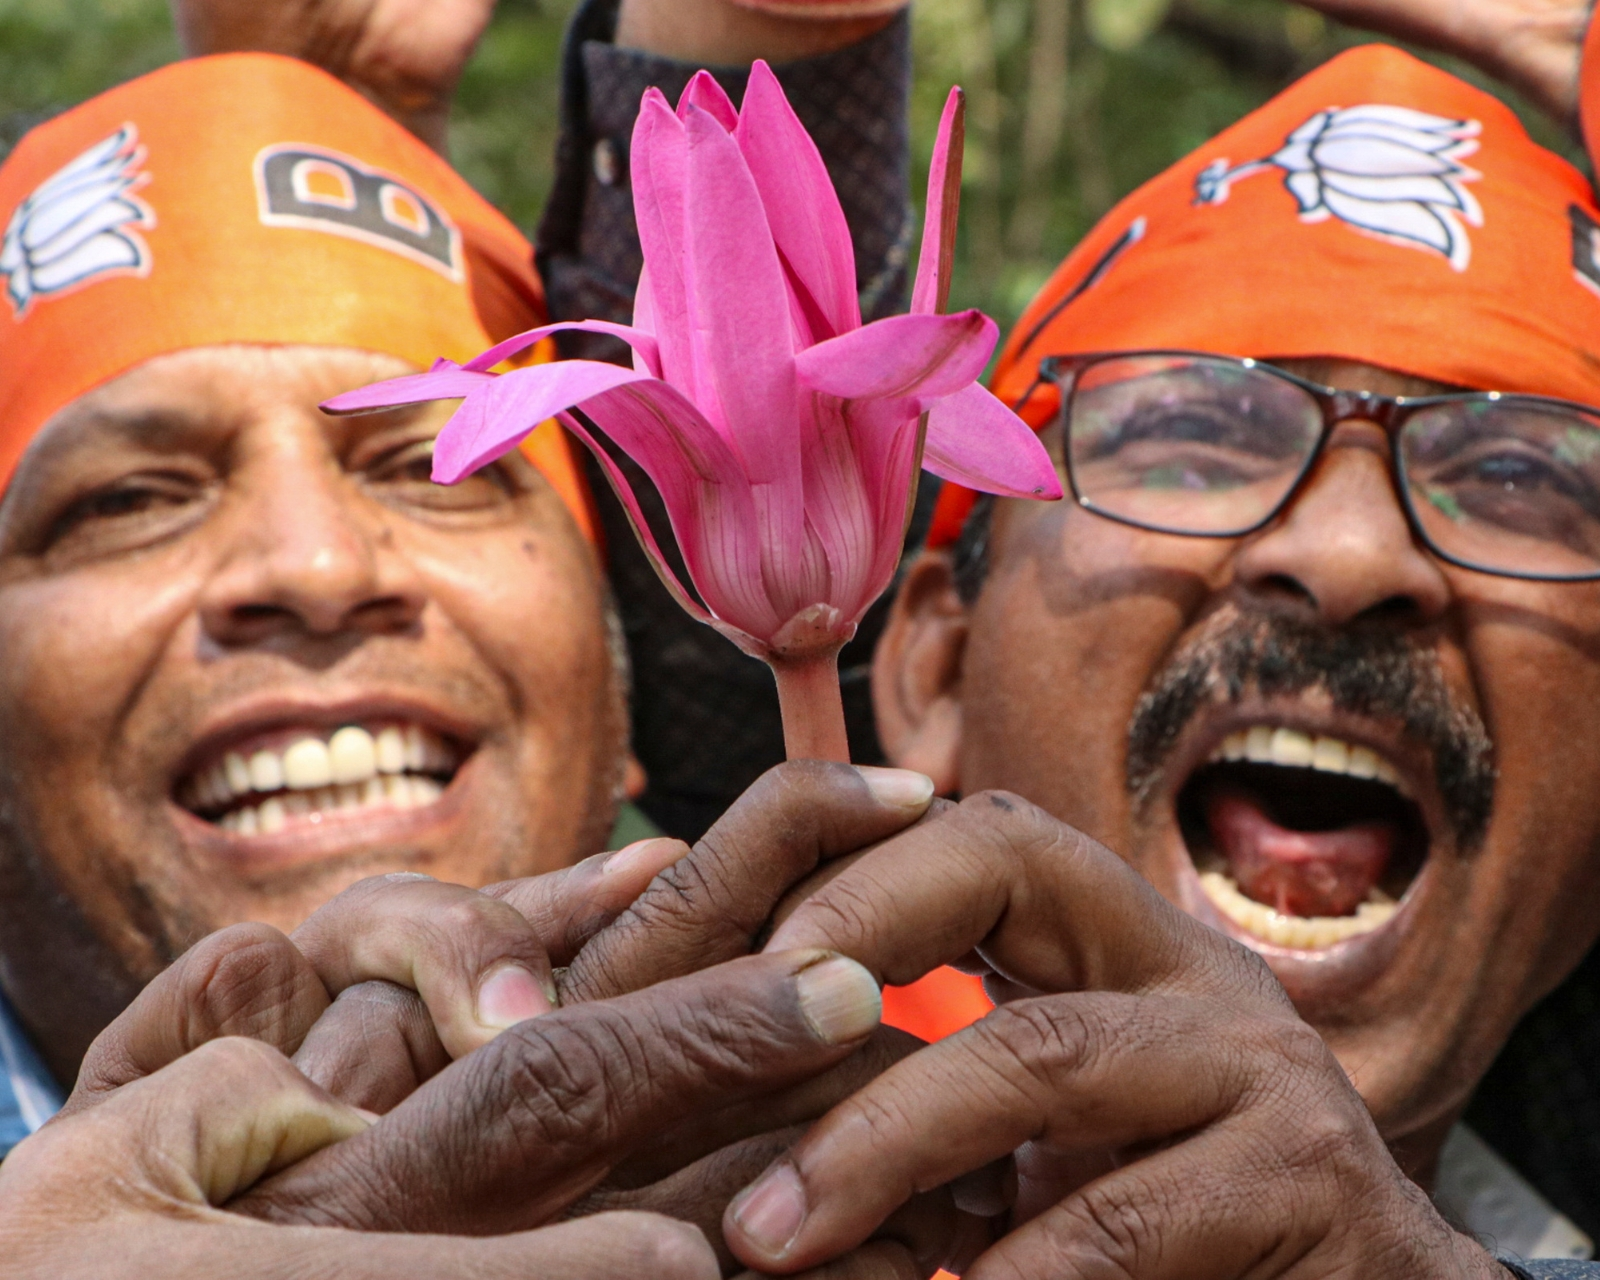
(813, 709)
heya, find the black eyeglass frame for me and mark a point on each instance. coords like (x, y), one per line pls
(1388, 412)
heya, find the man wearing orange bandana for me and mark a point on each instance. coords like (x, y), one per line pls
(1313, 646)
(251, 654)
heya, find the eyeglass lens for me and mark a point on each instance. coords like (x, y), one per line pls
(1197, 445)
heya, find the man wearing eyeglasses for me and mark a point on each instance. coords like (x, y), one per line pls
(1313, 642)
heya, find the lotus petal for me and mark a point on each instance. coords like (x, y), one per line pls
(973, 439)
(506, 408)
(704, 91)
(740, 328)
(931, 291)
(658, 171)
(103, 252)
(1416, 223)
(711, 504)
(74, 217)
(1420, 189)
(861, 466)
(445, 381)
(803, 210)
(643, 343)
(1372, 157)
(926, 357)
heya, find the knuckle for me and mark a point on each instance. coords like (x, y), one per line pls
(572, 1086)
(247, 980)
(1110, 1225)
(663, 1247)
(246, 1064)
(1047, 1036)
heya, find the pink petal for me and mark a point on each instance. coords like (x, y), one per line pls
(642, 341)
(709, 499)
(641, 527)
(802, 207)
(860, 464)
(975, 440)
(931, 292)
(740, 329)
(704, 91)
(658, 171)
(507, 408)
(446, 381)
(923, 356)
(740, 309)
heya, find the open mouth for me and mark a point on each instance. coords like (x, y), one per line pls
(266, 783)
(1301, 840)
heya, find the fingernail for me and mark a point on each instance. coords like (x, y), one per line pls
(898, 788)
(840, 1000)
(771, 1211)
(657, 854)
(509, 995)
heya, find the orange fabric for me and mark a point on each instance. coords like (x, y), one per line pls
(1447, 245)
(244, 198)
(937, 1005)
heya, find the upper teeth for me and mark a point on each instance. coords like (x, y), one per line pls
(1269, 744)
(351, 755)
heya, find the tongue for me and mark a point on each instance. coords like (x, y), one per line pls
(1301, 873)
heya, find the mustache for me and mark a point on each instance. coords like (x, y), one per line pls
(1378, 674)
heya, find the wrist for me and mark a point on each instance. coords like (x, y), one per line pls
(722, 33)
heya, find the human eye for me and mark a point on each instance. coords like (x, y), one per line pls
(402, 476)
(1520, 487)
(126, 514)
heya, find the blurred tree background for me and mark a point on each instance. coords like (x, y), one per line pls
(1072, 103)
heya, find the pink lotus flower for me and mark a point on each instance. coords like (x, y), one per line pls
(783, 434)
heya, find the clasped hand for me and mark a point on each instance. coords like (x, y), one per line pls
(1144, 1102)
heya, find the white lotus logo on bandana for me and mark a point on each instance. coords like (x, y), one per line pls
(1389, 171)
(80, 224)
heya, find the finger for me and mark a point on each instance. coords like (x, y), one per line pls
(709, 906)
(478, 965)
(1098, 1070)
(373, 1047)
(248, 980)
(700, 1135)
(880, 1260)
(928, 1228)
(566, 908)
(1041, 903)
(1219, 1206)
(699, 1192)
(508, 1137)
(207, 1126)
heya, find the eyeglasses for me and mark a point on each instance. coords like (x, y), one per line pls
(1213, 447)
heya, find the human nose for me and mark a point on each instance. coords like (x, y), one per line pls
(305, 556)
(1343, 547)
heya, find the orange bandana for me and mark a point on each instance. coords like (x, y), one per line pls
(244, 198)
(1379, 210)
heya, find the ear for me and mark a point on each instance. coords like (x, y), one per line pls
(634, 780)
(916, 673)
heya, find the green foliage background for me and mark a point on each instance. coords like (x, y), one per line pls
(1072, 103)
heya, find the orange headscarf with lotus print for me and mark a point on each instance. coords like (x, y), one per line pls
(244, 198)
(1379, 210)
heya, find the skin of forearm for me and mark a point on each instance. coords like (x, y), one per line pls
(719, 33)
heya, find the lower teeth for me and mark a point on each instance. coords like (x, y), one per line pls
(1300, 933)
(393, 791)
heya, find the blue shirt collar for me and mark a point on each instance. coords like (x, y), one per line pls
(29, 1094)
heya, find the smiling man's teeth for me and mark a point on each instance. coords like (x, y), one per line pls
(354, 768)
(1296, 932)
(1274, 744)
(395, 791)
